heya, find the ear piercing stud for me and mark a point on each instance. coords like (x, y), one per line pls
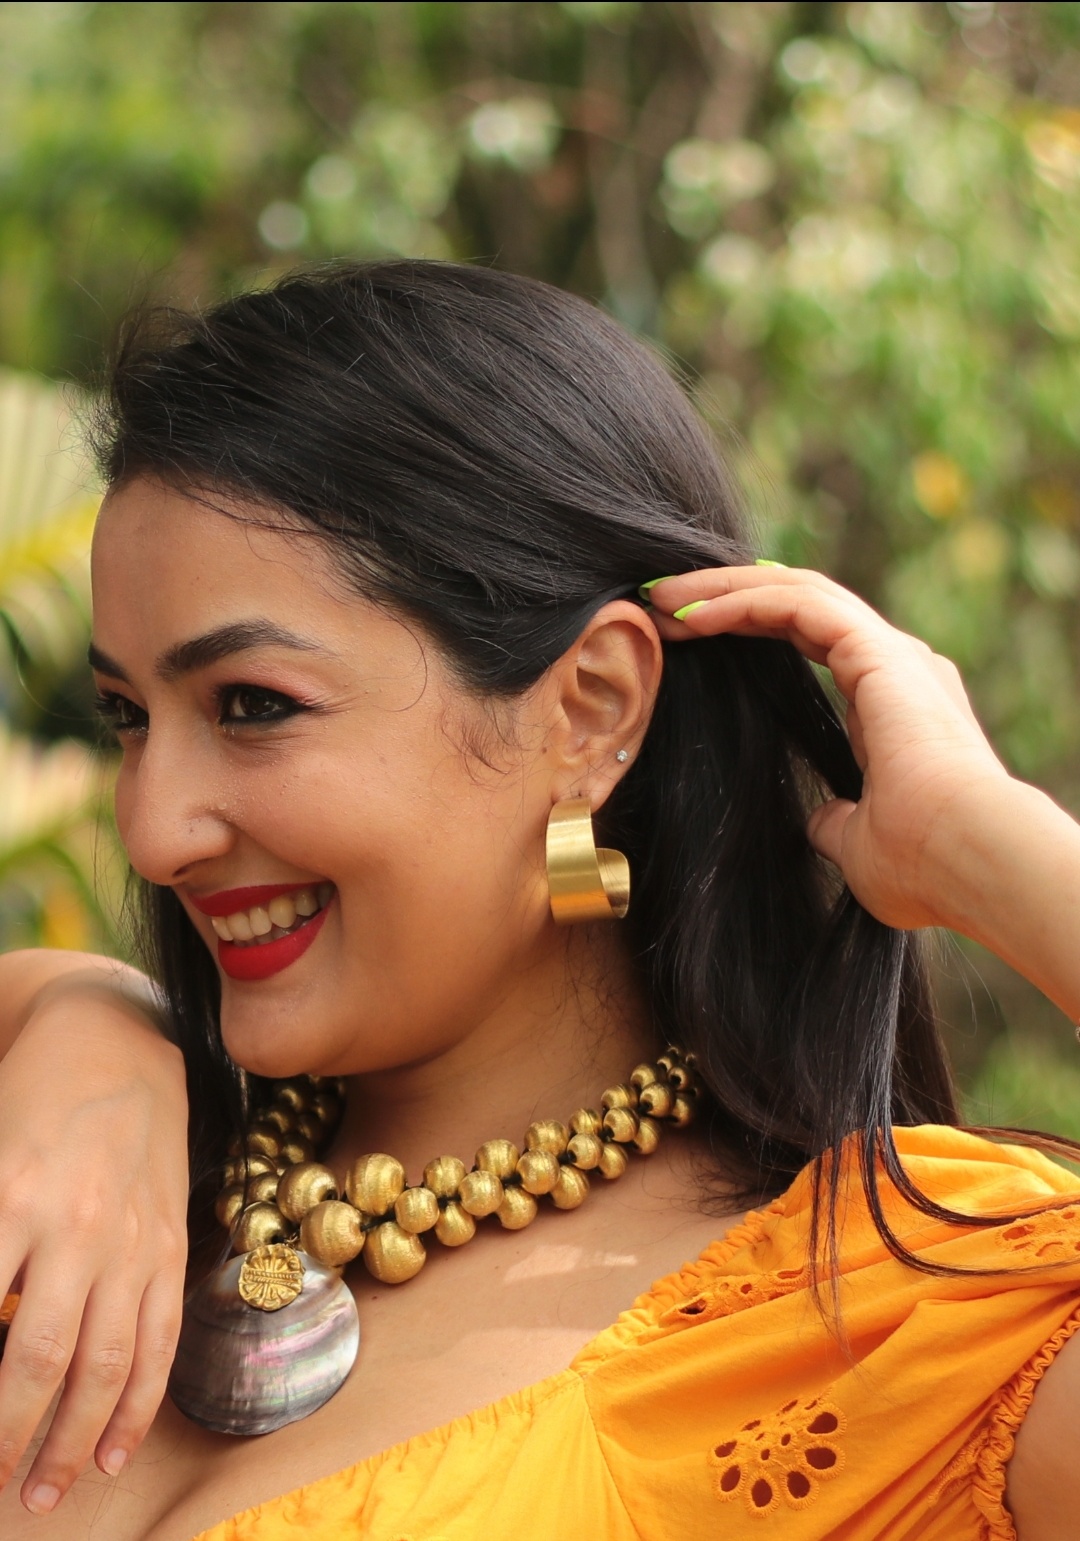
(622, 756)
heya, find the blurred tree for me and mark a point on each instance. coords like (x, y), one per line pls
(854, 225)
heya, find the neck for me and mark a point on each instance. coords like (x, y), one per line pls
(555, 1040)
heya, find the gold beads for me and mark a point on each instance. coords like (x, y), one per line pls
(230, 1201)
(416, 1210)
(547, 1135)
(571, 1189)
(656, 1099)
(586, 1121)
(294, 1148)
(538, 1170)
(455, 1226)
(613, 1161)
(682, 1112)
(481, 1193)
(257, 1226)
(332, 1232)
(264, 1140)
(619, 1097)
(647, 1135)
(643, 1075)
(498, 1156)
(621, 1124)
(262, 1189)
(375, 1183)
(391, 1254)
(443, 1176)
(242, 1168)
(301, 1187)
(275, 1188)
(585, 1151)
(517, 1210)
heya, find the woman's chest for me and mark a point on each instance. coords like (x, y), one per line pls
(472, 1329)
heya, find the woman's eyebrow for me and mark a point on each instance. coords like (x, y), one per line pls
(199, 652)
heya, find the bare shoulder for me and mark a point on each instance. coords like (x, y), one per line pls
(1043, 1487)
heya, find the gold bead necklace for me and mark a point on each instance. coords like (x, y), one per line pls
(272, 1334)
(277, 1194)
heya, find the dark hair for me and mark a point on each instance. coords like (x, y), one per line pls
(497, 459)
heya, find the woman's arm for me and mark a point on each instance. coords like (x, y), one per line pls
(942, 834)
(93, 1189)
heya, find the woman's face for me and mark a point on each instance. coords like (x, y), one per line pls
(287, 738)
(293, 765)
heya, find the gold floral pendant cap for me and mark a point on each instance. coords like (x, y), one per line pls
(271, 1277)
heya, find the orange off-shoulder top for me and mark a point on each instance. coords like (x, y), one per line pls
(724, 1403)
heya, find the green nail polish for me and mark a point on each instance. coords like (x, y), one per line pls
(643, 588)
(680, 615)
(764, 561)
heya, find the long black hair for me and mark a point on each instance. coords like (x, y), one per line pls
(497, 459)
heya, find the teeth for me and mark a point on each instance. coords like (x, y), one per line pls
(260, 921)
(267, 923)
(240, 926)
(282, 911)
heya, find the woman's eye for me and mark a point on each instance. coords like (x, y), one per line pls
(119, 714)
(251, 703)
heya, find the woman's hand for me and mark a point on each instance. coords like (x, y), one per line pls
(93, 1191)
(942, 834)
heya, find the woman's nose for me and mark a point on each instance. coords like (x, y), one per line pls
(170, 812)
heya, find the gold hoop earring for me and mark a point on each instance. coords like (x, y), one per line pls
(585, 883)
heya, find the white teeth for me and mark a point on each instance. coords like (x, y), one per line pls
(282, 911)
(260, 921)
(240, 926)
(267, 923)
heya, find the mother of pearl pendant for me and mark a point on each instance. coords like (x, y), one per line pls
(246, 1362)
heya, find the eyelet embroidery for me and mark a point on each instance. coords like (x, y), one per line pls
(783, 1457)
(734, 1293)
(1044, 1238)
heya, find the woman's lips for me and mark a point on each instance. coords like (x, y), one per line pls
(250, 962)
(229, 900)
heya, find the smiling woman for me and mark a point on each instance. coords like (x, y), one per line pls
(378, 628)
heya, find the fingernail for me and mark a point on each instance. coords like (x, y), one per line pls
(764, 561)
(43, 1499)
(643, 588)
(114, 1462)
(680, 615)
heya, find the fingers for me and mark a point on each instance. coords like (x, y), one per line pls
(818, 621)
(825, 828)
(155, 1346)
(115, 1381)
(38, 1350)
(98, 1371)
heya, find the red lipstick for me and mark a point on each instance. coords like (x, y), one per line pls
(230, 900)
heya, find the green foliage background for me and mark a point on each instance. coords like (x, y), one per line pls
(854, 227)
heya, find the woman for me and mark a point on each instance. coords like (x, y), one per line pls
(368, 628)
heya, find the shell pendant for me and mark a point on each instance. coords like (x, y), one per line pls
(241, 1368)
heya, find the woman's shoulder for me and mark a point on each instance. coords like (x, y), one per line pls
(873, 1384)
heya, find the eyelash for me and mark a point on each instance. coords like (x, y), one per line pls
(113, 709)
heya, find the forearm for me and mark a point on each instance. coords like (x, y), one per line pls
(1009, 877)
(34, 978)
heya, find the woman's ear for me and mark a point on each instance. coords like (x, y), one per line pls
(602, 694)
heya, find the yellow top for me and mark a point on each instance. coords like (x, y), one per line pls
(723, 1404)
